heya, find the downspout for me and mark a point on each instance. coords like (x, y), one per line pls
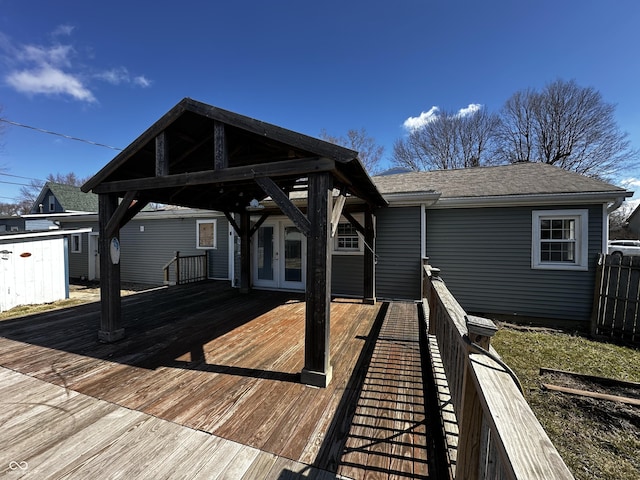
(608, 210)
(615, 205)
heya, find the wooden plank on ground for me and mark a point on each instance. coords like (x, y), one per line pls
(586, 393)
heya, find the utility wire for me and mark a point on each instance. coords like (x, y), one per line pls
(15, 183)
(10, 122)
(18, 176)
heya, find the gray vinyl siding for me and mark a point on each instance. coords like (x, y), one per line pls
(79, 261)
(347, 275)
(144, 253)
(219, 257)
(485, 258)
(398, 249)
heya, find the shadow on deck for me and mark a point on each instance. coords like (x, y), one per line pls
(208, 358)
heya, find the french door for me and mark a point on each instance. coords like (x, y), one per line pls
(279, 256)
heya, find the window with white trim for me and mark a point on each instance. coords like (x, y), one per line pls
(347, 239)
(560, 239)
(206, 234)
(76, 243)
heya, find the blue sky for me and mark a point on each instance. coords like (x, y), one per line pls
(105, 71)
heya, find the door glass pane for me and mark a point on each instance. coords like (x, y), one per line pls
(265, 253)
(292, 254)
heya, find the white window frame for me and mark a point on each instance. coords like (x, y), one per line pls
(348, 251)
(214, 222)
(79, 238)
(581, 218)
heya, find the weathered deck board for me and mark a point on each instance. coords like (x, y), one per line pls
(71, 436)
(205, 357)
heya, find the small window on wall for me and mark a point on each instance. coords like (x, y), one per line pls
(76, 243)
(52, 203)
(206, 234)
(560, 239)
(347, 240)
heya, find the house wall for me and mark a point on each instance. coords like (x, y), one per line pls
(34, 271)
(145, 251)
(398, 249)
(485, 258)
(347, 275)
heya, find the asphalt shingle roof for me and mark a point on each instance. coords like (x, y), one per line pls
(72, 198)
(515, 179)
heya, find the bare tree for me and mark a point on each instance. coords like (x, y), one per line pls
(369, 152)
(565, 125)
(448, 140)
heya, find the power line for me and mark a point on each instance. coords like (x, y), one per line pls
(26, 178)
(15, 183)
(41, 130)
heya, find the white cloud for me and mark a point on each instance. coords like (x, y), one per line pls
(51, 70)
(48, 80)
(120, 75)
(115, 76)
(415, 123)
(142, 81)
(63, 30)
(631, 182)
(469, 110)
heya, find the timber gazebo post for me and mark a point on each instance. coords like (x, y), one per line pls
(317, 369)
(110, 319)
(369, 287)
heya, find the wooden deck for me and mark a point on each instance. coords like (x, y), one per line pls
(227, 366)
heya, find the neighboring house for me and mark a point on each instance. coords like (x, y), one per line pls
(633, 224)
(33, 268)
(517, 240)
(60, 198)
(150, 241)
(11, 223)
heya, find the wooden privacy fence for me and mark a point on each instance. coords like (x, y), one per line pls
(186, 269)
(616, 300)
(491, 431)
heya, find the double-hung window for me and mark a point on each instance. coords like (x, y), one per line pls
(347, 240)
(560, 239)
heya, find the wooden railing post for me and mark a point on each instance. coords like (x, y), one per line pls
(470, 447)
(177, 268)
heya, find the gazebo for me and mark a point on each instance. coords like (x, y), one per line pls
(201, 156)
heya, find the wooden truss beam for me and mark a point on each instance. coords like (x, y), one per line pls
(286, 205)
(297, 167)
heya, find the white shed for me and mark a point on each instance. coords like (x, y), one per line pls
(34, 267)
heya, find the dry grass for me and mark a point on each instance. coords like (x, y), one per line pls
(597, 439)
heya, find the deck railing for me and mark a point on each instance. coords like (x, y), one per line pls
(185, 269)
(491, 430)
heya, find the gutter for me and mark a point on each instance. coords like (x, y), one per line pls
(536, 199)
(48, 233)
(406, 199)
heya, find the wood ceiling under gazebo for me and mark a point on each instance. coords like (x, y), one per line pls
(201, 156)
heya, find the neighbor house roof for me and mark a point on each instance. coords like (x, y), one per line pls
(518, 182)
(70, 197)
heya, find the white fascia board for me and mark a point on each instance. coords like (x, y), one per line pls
(531, 200)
